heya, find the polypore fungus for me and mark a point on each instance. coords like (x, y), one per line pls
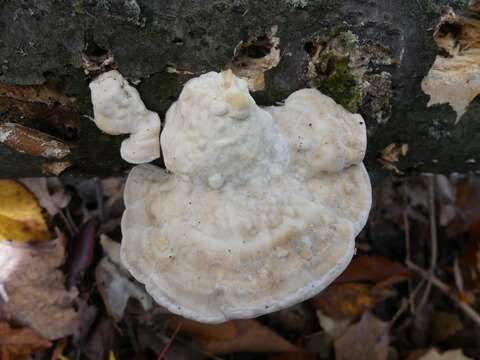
(455, 75)
(118, 109)
(259, 209)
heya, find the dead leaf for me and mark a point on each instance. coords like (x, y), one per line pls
(348, 300)
(209, 332)
(102, 338)
(332, 327)
(374, 269)
(50, 193)
(470, 260)
(59, 348)
(32, 142)
(80, 252)
(21, 218)
(115, 284)
(366, 340)
(391, 154)
(467, 204)
(445, 325)
(293, 356)
(36, 296)
(18, 343)
(234, 336)
(56, 167)
(433, 354)
(45, 93)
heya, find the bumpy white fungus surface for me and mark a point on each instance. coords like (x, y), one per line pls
(118, 109)
(259, 208)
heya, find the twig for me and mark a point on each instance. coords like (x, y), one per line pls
(405, 304)
(433, 238)
(467, 309)
(67, 223)
(99, 199)
(170, 342)
(406, 226)
(458, 276)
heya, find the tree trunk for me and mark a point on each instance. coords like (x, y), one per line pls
(370, 56)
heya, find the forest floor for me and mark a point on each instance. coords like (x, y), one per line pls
(411, 292)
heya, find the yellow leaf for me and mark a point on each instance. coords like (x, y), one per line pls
(21, 217)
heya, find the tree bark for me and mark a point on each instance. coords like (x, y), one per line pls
(370, 56)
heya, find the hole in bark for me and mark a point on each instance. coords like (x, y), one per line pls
(177, 41)
(450, 28)
(310, 48)
(95, 51)
(254, 56)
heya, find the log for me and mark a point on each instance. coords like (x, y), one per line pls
(370, 56)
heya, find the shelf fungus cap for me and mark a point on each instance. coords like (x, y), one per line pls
(118, 109)
(259, 208)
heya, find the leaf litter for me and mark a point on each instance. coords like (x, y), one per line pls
(374, 310)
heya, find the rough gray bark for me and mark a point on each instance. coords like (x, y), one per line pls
(159, 45)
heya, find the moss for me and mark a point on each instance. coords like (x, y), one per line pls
(299, 4)
(78, 7)
(339, 82)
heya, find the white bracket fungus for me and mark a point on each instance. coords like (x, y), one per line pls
(455, 75)
(259, 209)
(118, 109)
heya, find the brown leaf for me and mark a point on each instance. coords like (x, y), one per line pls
(445, 325)
(34, 293)
(374, 269)
(80, 252)
(468, 206)
(18, 343)
(56, 167)
(348, 300)
(366, 340)
(45, 93)
(235, 336)
(209, 332)
(470, 260)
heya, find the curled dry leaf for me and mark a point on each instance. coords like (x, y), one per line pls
(19, 343)
(36, 296)
(115, 284)
(234, 336)
(391, 154)
(32, 142)
(21, 218)
(366, 340)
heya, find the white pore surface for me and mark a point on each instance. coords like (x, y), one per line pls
(259, 209)
(118, 109)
